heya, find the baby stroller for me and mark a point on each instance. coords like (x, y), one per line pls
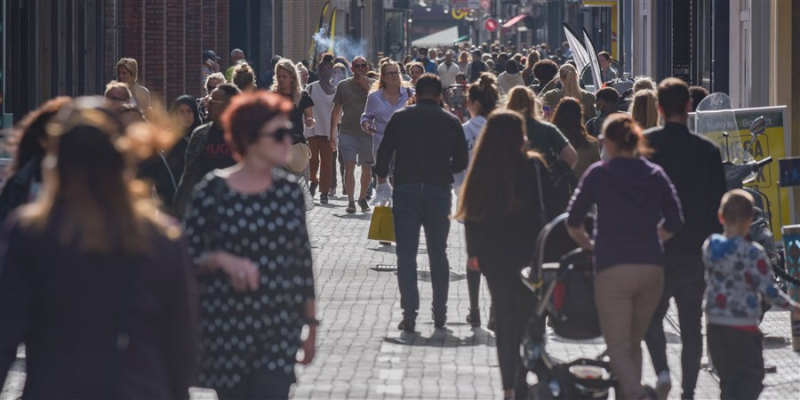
(562, 279)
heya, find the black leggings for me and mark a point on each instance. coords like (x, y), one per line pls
(514, 306)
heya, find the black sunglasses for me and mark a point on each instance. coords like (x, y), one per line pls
(279, 134)
(360, 65)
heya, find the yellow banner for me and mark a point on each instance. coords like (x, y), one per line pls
(774, 143)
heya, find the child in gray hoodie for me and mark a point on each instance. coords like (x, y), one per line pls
(738, 278)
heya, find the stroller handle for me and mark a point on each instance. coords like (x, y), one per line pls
(541, 240)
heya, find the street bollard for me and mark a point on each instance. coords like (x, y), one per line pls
(791, 249)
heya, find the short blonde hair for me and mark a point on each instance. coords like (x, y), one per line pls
(131, 65)
(118, 85)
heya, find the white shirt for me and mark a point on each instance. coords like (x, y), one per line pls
(448, 74)
(323, 105)
(472, 129)
(507, 81)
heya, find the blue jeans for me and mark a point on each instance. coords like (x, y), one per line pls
(414, 206)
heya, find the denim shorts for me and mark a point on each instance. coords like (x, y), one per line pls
(356, 149)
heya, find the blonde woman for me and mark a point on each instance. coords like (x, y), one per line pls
(302, 72)
(568, 76)
(128, 73)
(389, 94)
(287, 84)
(644, 109)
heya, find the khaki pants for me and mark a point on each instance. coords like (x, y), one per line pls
(627, 296)
(321, 153)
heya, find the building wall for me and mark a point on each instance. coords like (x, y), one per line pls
(167, 38)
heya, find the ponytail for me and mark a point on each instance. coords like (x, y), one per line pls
(485, 92)
(625, 133)
(569, 80)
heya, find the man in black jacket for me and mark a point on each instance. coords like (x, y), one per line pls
(429, 147)
(694, 165)
(207, 149)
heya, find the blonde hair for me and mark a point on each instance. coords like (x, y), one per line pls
(131, 65)
(522, 100)
(569, 79)
(379, 84)
(118, 85)
(288, 66)
(644, 108)
(244, 77)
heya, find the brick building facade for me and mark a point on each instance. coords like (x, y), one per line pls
(168, 38)
(55, 47)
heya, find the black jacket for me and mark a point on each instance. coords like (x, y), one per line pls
(205, 152)
(17, 190)
(427, 142)
(694, 165)
(66, 305)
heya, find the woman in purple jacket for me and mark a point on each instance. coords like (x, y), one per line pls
(637, 210)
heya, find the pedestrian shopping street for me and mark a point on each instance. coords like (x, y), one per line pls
(362, 355)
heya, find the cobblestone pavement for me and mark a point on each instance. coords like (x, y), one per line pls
(362, 355)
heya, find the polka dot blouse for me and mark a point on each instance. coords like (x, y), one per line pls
(260, 330)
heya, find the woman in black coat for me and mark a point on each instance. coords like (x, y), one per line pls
(502, 207)
(94, 283)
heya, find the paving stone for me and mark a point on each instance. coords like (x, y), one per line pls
(361, 354)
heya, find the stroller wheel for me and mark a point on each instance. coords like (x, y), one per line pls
(540, 392)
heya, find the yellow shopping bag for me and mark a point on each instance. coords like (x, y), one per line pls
(381, 226)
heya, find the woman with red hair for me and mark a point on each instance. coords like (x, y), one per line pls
(248, 239)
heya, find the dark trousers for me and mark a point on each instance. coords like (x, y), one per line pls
(474, 289)
(738, 358)
(260, 385)
(427, 206)
(514, 306)
(684, 281)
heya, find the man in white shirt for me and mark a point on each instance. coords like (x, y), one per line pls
(448, 70)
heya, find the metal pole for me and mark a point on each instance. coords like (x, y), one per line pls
(791, 248)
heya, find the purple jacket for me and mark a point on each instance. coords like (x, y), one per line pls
(632, 196)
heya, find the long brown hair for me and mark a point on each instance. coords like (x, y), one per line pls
(523, 100)
(568, 117)
(494, 186)
(625, 133)
(485, 92)
(27, 136)
(87, 184)
(644, 108)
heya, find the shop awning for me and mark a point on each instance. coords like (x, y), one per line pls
(514, 21)
(462, 39)
(442, 38)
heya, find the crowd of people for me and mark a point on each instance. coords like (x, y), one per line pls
(147, 249)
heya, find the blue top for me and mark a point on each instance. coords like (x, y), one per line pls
(378, 109)
(632, 196)
(429, 65)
